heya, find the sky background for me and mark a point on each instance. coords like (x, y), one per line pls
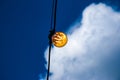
(24, 29)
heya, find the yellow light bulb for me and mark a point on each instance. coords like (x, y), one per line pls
(59, 39)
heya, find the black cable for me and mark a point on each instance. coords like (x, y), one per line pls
(52, 31)
(55, 15)
(53, 3)
(50, 45)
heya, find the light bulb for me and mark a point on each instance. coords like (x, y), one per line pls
(59, 39)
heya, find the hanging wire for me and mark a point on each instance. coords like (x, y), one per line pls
(55, 10)
(53, 3)
(50, 45)
(52, 31)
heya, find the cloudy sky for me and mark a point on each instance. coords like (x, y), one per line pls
(92, 51)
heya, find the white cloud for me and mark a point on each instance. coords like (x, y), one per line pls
(92, 52)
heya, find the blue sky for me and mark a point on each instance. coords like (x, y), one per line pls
(92, 51)
(24, 28)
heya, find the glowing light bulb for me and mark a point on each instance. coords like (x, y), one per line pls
(59, 39)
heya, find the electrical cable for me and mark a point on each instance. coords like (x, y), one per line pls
(52, 31)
